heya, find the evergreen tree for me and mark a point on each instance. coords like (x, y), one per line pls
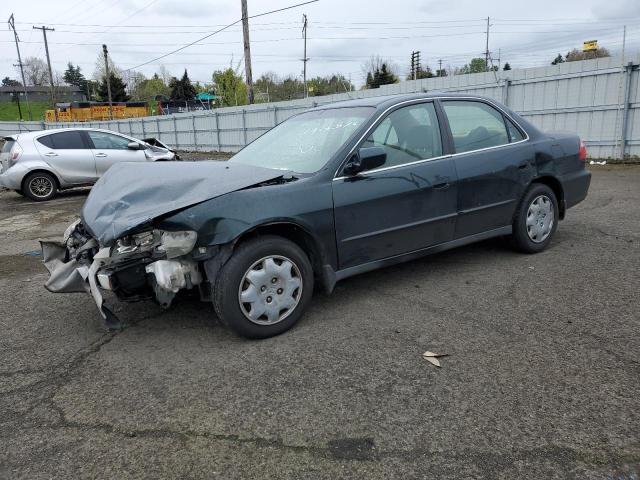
(182, 89)
(73, 76)
(9, 82)
(557, 60)
(506, 66)
(118, 90)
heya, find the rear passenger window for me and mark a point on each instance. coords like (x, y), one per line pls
(475, 125)
(71, 140)
(514, 133)
(408, 134)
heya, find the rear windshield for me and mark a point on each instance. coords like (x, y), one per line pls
(8, 145)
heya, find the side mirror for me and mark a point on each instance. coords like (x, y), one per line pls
(367, 158)
(135, 146)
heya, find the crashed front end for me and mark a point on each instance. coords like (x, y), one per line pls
(153, 264)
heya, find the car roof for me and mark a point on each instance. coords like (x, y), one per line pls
(58, 130)
(384, 101)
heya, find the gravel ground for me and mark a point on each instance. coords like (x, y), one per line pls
(541, 380)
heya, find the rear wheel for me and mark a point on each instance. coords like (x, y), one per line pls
(536, 219)
(264, 288)
(40, 186)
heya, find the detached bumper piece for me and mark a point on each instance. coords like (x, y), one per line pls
(71, 274)
(153, 264)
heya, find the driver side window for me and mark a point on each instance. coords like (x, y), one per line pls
(408, 134)
(108, 141)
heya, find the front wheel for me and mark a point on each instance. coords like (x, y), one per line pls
(264, 288)
(536, 219)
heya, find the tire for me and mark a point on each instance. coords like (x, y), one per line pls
(249, 260)
(535, 220)
(40, 186)
(19, 192)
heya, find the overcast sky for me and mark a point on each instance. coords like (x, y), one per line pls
(342, 34)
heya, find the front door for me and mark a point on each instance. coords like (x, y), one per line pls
(109, 148)
(407, 204)
(493, 162)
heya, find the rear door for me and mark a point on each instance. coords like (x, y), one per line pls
(408, 203)
(493, 161)
(110, 148)
(69, 155)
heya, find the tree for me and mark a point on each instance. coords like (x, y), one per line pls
(335, 83)
(36, 71)
(477, 65)
(441, 73)
(118, 89)
(557, 60)
(379, 72)
(381, 76)
(230, 87)
(421, 73)
(182, 89)
(575, 54)
(9, 82)
(73, 76)
(506, 67)
(149, 89)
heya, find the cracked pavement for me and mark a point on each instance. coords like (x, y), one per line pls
(541, 380)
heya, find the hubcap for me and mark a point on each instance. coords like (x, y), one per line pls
(41, 186)
(540, 219)
(270, 290)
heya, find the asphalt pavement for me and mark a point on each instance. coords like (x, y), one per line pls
(541, 380)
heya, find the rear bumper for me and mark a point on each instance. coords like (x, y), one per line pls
(575, 186)
(12, 178)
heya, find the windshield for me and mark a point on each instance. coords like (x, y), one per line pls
(306, 142)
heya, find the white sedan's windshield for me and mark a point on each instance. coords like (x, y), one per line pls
(306, 142)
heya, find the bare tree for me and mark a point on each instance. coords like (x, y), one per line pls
(576, 54)
(35, 71)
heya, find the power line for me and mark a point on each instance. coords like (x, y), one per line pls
(220, 30)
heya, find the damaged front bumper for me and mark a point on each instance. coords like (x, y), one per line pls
(154, 264)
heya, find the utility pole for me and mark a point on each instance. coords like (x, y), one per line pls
(108, 79)
(486, 52)
(440, 68)
(12, 26)
(247, 51)
(46, 49)
(415, 65)
(304, 56)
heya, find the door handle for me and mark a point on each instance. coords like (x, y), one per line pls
(51, 154)
(101, 154)
(441, 186)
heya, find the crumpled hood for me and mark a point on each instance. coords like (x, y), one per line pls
(133, 194)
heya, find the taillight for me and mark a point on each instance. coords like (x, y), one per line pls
(14, 155)
(582, 153)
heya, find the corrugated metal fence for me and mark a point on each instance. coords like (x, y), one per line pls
(598, 99)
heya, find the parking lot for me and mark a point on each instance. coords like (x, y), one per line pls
(541, 378)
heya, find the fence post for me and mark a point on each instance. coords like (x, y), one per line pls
(218, 146)
(275, 115)
(175, 131)
(625, 109)
(195, 133)
(505, 92)
(244, 127)
(144, 133)
(158, 126)
(130, 128)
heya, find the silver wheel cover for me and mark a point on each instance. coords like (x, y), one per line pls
(540, 218)
(40, 186)
(270, 290)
